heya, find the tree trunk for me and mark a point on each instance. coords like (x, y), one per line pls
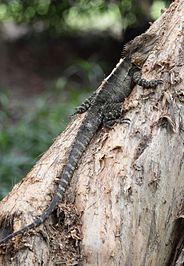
(124, 205)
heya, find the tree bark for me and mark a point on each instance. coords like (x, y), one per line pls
(125, 203)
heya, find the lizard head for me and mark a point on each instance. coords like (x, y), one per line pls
(140, 47)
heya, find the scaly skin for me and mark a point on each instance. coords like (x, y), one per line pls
(104, 109)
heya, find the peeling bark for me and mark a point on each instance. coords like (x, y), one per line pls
(128, 190)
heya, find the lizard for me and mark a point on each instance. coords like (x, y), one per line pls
(103, 108)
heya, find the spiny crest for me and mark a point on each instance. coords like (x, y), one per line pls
(126, 48)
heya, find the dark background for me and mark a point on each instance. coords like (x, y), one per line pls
(53, 54)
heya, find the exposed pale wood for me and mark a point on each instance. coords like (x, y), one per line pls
(130, 184)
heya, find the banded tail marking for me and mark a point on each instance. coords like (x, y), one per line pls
(81, 144)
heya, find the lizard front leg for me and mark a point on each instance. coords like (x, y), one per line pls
(85, 105)
(137, 79)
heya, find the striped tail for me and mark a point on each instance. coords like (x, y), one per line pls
(86, 131)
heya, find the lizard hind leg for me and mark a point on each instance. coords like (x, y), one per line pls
(112, 114)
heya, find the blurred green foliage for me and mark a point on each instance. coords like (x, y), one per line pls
(25, 135)
(58, 16)
(28, 129)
